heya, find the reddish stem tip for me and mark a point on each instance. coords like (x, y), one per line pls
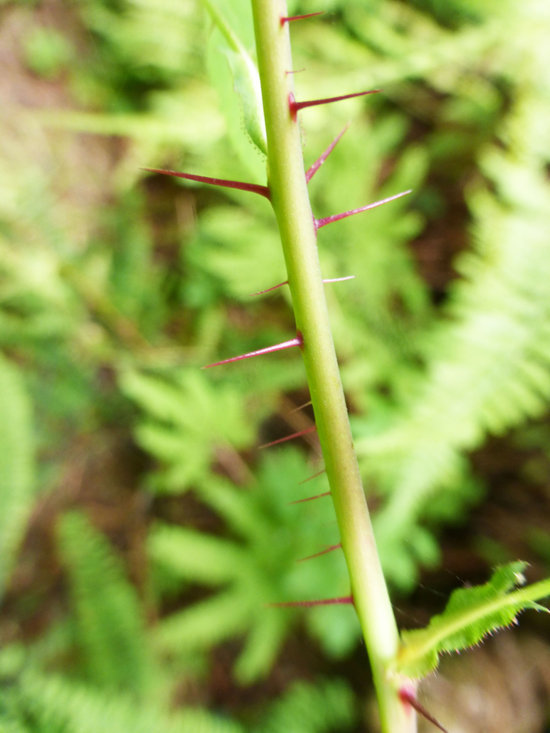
(290, 18)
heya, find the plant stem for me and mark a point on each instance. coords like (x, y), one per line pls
(290, 199)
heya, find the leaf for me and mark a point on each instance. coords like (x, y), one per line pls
(110, 627)
(470, 615)
(42, 701)
(187, 419)
(245, 76)
(316, 707)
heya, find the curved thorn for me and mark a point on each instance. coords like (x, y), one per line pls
(310, 498)
(267, 350)
(240, 185)
(290, 18)
(336, 217)
(295, 106)
(285, 282)
(408, 697)
(331, 548)
(342, 600)
(289, 437)
(312, 170)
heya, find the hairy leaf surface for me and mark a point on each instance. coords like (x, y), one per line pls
(470, 615)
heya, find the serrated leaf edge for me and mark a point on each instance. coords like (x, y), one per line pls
(414, 654)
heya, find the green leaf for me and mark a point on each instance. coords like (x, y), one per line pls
(316, 707)
(470, 615)
(188, 417)
(110, 626)
(245, 77)
(42, 701)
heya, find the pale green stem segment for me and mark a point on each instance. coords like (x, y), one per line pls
(289, 195)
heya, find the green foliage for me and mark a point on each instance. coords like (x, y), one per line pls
(16, 465)
(245, 76)
(311, 709)
(47, 52)
(485, 366)
(37, 701)
(470, 615)
(188, 419)
(110, 628)
(253, 567)
(111, 295)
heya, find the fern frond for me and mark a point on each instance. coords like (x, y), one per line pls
(311, 708)
(488, 367)
(188, 417)
(110, 626)
(42, 702)
(257, 568)
(197, 556)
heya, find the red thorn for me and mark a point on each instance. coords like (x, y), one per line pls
(408, 697)
(310, 478)
(241, 185)
(323, 552)
(290, 18)
(268, 350)
(310, 498)
(336, 217)
(285, 282)
(289, 437)
(312, 170)
(297, 106)
(268, 290)
(343, 600)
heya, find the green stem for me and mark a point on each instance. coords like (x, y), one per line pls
(289, 195)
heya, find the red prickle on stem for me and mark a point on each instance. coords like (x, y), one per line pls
(299, 434)
(408, 697)
(259, 352)
(295, 106)
(312, 170)
(310, 498)
(336, 217)
(290, 18)
(223, 182)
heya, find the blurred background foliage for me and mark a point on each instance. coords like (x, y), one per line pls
(142, 532)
